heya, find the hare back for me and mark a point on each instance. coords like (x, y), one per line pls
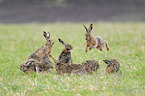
(62, 68)
(91, 65)
(47, 64)
(76, 66)
(38, 54)
(100, 41)
(77, 69)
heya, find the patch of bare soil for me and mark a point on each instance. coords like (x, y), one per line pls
(104, 11)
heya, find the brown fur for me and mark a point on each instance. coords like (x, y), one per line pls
(44, 50)
(37, 60)
(94, 42)
(112, 66)
(65, 56)
(73, 69)
(30, 66)
(44, 65)
(91, 65)
(70, 69)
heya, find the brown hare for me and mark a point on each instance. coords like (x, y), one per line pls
(65, 56)
(45, 49)
(30, 66)
(44, 65)
(90, 65)
(94, 42)
(77, 69)
(112, 66)
(70, 69)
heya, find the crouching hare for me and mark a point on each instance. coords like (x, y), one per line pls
(30, 66)
(112, 66)
(44, 65)
(70, 69)
(90, 66)
(94, 42)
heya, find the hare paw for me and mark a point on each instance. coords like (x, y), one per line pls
(90, 48)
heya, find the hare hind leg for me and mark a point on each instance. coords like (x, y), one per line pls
(106, 44)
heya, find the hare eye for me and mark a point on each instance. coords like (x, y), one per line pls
(108, 65)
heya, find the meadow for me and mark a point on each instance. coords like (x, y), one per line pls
(127, 45)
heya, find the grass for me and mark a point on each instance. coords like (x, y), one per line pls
(127, 45)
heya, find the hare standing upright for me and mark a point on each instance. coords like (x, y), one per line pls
(112, 66)
(65, 56)
(43, 50)
(94, 42)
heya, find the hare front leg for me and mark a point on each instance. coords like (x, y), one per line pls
(90, 47)
(51, 56)
(48, 55)
(86, 47)
(37, 69)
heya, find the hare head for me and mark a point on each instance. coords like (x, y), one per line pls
(112, 66)
(29, 66)
(88, 31)
(48, 40)
(24, 68)
(68, 47)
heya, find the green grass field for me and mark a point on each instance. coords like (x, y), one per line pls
(127, 45)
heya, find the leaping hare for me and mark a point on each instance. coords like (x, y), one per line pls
(45, 49)
(112, 66)
(94, 42)
(65, 56)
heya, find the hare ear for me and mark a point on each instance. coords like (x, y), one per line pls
(44, 34)
(61, 41)
(85, 28)
(48, 35)
(106, 61)
(90, 28)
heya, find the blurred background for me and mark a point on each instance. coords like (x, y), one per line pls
(45, 11)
